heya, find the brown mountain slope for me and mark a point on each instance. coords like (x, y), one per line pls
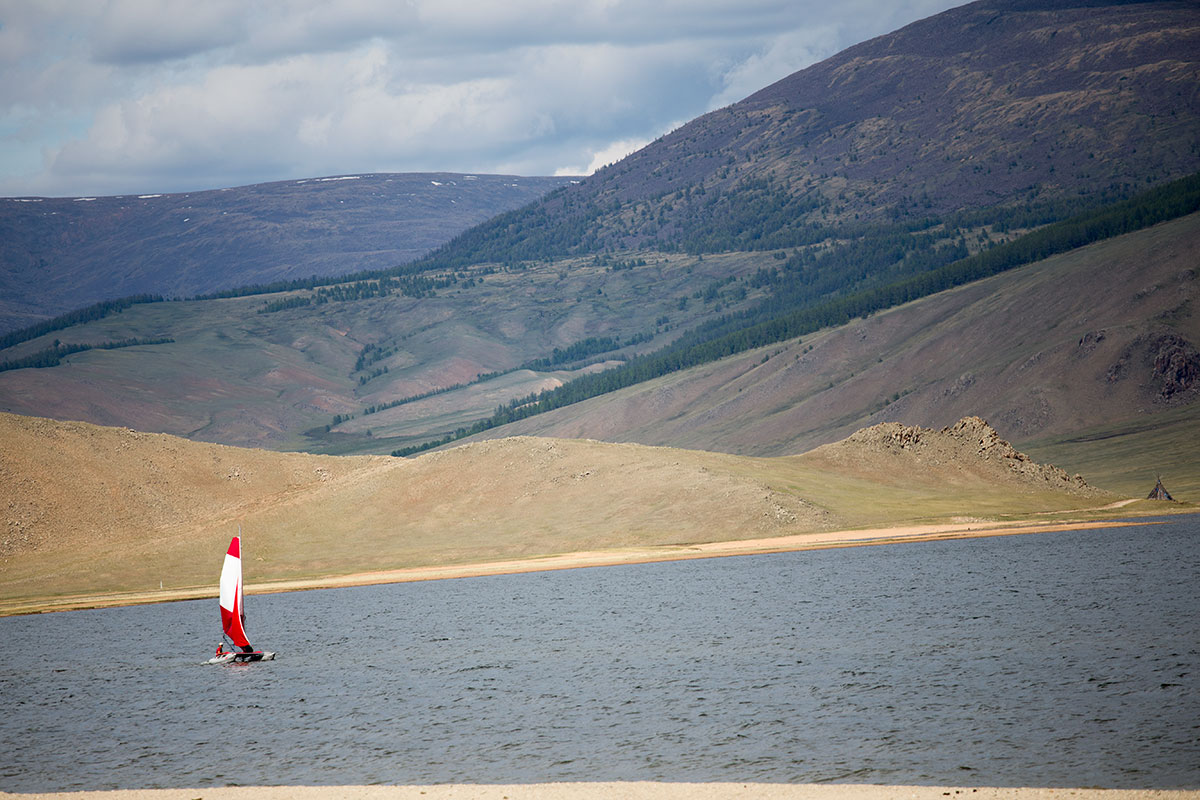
(997, 103)
(991, 97)
(88, 509)
(1105, 335)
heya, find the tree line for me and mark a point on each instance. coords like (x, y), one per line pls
(768, 324)
(52, 356)
(77, 317)
(417, 286)
(584, 348)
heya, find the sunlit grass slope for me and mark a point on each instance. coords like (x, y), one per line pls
(98, 510)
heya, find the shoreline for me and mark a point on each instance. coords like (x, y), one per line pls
(638, 790)
(578, 560)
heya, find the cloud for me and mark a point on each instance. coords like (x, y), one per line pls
(140, 31)
(291, 27)
(607, 154)
(161, 95)
(781, 56)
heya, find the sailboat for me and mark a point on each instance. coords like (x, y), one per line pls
(233, 612)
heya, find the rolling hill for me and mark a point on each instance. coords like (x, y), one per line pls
(102, 510)
(58, 254)
(253, 371)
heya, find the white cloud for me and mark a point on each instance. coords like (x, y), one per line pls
(135, 96)
(781, 56)
(607, 154)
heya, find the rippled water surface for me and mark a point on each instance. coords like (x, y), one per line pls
(1063, 659)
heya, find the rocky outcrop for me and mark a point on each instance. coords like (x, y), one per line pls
(1176, 364)
(969, 442)
(1172, 361)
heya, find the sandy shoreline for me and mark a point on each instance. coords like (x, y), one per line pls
(596, 558)
(619, 791)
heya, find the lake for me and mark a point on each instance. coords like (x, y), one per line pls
(1056, 659)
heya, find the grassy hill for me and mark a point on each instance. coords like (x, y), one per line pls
(1070, 355)
(101, 510)
(57, 254)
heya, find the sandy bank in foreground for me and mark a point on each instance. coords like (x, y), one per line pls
(619, 791)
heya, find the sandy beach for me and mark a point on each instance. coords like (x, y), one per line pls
(576, 560)
(620, 791)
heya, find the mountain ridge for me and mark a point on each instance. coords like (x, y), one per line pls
(1098, 336)
(884, 131)
(61, 253)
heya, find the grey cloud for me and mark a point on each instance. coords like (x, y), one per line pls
(147, 31)
(206, 94)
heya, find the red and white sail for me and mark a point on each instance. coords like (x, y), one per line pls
(232, 613)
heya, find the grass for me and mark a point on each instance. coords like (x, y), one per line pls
(105, 510)
(264, 380)
(1127, 457)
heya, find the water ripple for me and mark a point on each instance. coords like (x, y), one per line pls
(1066, 659)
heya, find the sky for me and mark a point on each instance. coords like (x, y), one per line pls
(105, 97)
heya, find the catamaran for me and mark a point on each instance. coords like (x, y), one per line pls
(233, 613)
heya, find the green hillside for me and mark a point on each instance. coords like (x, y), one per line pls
(264, 370)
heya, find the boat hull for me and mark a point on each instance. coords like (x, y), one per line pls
(242, 658)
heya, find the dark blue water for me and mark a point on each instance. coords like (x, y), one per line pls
(1063, 659)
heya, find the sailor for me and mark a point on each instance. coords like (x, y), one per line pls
(220, 648)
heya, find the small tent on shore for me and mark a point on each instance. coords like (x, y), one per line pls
(1159, 492)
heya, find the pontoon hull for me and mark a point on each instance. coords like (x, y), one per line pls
(242, 658)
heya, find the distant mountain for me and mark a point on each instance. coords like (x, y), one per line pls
(57, 254)
(1026, 108)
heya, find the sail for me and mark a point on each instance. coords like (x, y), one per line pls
(232, 612)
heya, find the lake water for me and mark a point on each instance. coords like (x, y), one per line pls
(1059, 659)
